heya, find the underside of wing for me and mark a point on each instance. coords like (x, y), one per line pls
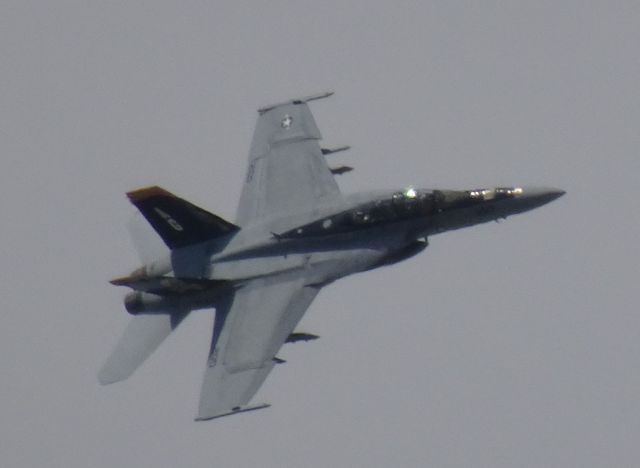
(250, 327)
(287, 171)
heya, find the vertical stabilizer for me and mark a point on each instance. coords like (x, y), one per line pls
(178, 222)
(146, 241)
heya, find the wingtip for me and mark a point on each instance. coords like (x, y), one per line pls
(238, 410)
(107, 378)
(302, 100)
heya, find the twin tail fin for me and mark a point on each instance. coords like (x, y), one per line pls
(178, 222)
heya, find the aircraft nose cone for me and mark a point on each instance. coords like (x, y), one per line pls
(543, 194)
(534, 197)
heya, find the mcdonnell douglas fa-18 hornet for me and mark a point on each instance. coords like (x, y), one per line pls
(294, 233)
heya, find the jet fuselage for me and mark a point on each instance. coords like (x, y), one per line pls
(365, 232)
(371, 232)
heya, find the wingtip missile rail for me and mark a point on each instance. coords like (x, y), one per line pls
(328, 151)
(301, 100)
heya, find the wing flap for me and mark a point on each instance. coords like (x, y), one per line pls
(248, 332)
(270, 312)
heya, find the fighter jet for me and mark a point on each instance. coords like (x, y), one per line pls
(294, 233)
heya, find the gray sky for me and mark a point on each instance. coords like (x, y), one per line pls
(512, 344)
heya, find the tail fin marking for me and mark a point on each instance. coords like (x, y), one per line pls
(178, 222)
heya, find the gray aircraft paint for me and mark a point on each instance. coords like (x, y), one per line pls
(295, 234)
(511, 344)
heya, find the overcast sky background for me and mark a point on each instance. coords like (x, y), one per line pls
(512, 344)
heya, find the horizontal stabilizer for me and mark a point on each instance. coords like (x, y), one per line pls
(178, 222)
(141, 338)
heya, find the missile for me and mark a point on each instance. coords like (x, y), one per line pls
(341, 170)
(295, 337)
(328, 151)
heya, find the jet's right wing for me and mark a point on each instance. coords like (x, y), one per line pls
(287, 171)
(250, 327)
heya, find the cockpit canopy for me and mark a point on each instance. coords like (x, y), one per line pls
(409, 193)
(495, 193)
(391, 207)
(409, 203)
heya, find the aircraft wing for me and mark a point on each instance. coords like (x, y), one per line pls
(287, 171)
(250, 327)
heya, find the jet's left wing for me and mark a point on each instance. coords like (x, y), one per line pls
(287, 170)
(250, 327)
